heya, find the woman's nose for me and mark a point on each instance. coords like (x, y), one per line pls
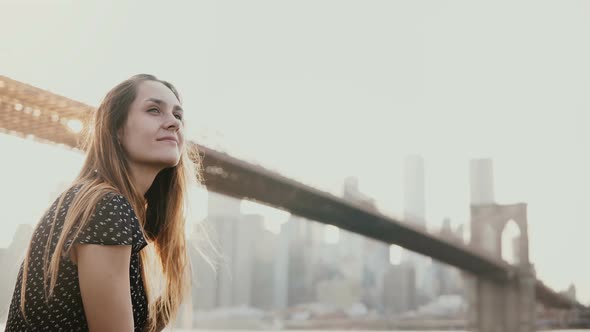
(172, 123)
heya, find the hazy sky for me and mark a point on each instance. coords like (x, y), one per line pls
(319, 90)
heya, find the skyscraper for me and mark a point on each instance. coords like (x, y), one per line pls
(399, 293)
(482, 193)
(234, 235)
(482, 181)
(415, 214)
(364, 261)
(414, 191)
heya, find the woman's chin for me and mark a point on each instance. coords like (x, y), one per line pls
(169, 162)
(173, 163)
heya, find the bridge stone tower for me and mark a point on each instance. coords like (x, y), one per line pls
(496, 306)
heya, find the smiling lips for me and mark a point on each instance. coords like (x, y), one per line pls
(169, 139)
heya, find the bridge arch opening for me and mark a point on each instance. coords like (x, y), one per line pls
(511, 242)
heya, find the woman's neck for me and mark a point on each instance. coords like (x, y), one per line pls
(143, 176)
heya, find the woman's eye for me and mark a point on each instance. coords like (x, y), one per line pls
(178, 116)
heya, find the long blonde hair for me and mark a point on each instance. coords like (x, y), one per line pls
(161, 211)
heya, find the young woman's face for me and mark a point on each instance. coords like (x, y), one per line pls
(153, 133)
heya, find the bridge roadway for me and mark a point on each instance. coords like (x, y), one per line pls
(27, 110)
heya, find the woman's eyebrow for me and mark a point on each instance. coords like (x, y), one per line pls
(161, 102)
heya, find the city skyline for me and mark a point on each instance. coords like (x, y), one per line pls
(243, 242)
(273, 219)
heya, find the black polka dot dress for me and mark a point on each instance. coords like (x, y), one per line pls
(113, 223)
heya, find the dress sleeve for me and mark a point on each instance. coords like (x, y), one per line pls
(113, 223)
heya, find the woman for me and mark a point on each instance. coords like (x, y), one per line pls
(86, 267)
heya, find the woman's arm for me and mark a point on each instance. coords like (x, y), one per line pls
(103, 272)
